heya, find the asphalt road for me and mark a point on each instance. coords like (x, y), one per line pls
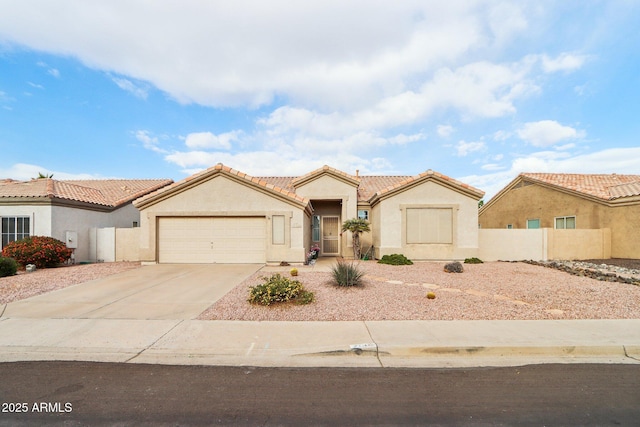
(78, 393)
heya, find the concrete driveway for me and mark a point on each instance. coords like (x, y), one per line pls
(163, 291)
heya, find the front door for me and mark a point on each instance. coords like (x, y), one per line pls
(330, 236)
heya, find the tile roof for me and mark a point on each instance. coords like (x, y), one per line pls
(368, 185)
(324, 169)
(603, 186)
(110, 193)
(274, 185)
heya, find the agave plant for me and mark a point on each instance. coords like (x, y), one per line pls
(346, 274)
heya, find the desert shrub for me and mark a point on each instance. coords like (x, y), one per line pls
(277, 288)
(453, 267)
(395, 259)
(8, 267)
(346, 274)
(431, 295)
(39, 250)
(473, 260)
(293, 271)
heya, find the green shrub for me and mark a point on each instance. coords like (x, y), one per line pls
(395, 259)
(8, 267)
(346, 274)
(473, 260)
(279, 289)
(39, 250)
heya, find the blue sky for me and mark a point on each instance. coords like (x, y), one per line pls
(477, 90)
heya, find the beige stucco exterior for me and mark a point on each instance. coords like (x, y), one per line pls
(332, 194)
(501, 244)
(225, 195)
(523, 201)
(325, 193)
(389, 222)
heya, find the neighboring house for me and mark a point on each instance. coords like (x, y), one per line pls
(223, 215)
(67, 210)
(565, 201)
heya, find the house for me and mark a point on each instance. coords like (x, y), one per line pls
(224, 215)
(68, 209)
(571, 201)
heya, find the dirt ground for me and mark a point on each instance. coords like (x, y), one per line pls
(633, 264)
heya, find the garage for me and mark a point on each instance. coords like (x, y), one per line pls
(205, 240)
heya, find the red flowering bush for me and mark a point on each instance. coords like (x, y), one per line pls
(39, 250)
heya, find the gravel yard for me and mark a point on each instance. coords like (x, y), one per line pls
(495, 290)
(25, 285)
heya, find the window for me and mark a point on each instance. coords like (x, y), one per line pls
(315, 228)
(567, 222)
(363, 214)
(533, 223)
(15, 228)
(429, 225)
(509, 226)
(277, 229)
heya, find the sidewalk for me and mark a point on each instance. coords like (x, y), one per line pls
(326, 344)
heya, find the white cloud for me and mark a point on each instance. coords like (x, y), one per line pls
(445, 130)
(149, 142)
(564, 62)
(324, 54)
(464, 148)
(54, 72)
(25, 172)
(129, 86)
(209, 140)
(546, 133)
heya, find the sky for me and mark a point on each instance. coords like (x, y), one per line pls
(477, 90)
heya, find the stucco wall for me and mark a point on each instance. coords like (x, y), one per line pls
(543, 244)
(534, 201)
(537, 202)
(40, 217)
(391, 228)
(498, 244)
(624, 222)
(224, 196)
(54, 221)
(327, 187)
(81, 221)
(127, 244)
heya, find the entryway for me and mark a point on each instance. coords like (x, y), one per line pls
(326, 226)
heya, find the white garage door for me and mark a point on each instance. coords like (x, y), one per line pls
(209, 240)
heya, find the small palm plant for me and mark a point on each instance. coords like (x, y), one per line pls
(356, 226)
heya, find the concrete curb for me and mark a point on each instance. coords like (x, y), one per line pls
(321, 344)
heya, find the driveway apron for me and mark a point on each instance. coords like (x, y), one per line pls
(163, 291)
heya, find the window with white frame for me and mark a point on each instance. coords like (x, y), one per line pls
(429, 225)
(15, 228)
(565, 222)
(363, 214)
(533, 223)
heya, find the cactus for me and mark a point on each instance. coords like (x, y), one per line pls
(294, 271)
